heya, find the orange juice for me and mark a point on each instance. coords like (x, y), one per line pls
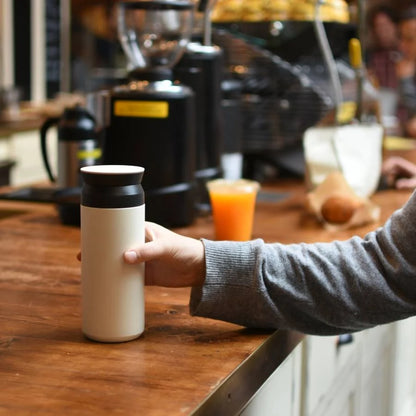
(233, 203)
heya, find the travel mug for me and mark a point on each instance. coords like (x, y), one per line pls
(112, 222)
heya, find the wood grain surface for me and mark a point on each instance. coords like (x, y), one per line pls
(47, 367)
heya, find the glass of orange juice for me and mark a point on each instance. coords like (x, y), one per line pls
(233, 203)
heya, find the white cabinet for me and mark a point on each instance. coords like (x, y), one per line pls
(373, 375)
(341, 399)
(331, 373)
(280, 394)
(377, 363)
(404, 374)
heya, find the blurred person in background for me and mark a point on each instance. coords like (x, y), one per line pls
(406, 70)
(384, 53)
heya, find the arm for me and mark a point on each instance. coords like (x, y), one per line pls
(323, 288)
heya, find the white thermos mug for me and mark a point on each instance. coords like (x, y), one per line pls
(112, 222)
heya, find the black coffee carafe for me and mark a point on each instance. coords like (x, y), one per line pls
(78, 145)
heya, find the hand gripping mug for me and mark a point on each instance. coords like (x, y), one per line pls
(112, 221)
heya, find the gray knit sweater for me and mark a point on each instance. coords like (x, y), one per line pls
(321, 288)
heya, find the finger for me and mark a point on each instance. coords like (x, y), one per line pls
(147, 252)
(406, 183)
(409, 167)
(149, 233)
(399, 164)
(391, 163)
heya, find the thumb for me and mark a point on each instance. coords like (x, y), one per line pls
(146, 252)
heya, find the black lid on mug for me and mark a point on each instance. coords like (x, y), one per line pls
(112, 186)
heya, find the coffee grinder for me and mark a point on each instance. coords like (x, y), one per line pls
(150, 121)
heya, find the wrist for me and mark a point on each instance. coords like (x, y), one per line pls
(200, 267)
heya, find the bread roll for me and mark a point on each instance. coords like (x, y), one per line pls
(339, 209)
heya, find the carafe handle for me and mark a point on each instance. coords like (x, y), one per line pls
(43, 130)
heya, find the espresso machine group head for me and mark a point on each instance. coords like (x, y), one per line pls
(150, 121)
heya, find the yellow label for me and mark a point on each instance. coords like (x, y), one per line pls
(148, 109)
(89, 154)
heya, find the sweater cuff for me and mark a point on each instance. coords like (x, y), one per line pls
(229, 277)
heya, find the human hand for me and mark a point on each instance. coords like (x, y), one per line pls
(399, 172)
(171, 260)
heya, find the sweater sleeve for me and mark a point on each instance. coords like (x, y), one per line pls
(321, 288)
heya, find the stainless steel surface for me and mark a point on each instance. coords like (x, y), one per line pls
(70, 160)
(234, 393)
(68, 166)
(98, 104)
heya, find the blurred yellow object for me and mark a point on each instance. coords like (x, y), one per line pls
(346, 112)
(302, 10)
(398, 143)
(330, 11)
(339, 11)
(269, 10)
(354, 47)
(253, 11)
(277, 9)
(227, 11)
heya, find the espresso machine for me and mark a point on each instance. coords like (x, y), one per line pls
(150, 121)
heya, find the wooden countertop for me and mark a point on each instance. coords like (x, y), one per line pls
(181, 364)
(32, 115)
(11, 127)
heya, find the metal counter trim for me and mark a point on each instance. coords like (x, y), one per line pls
(230, 397)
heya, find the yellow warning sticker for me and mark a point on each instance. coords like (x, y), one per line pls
(148, 109)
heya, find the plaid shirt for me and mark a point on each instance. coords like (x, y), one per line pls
(382, 65)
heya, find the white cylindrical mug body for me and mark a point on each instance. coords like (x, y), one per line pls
(112, 222)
